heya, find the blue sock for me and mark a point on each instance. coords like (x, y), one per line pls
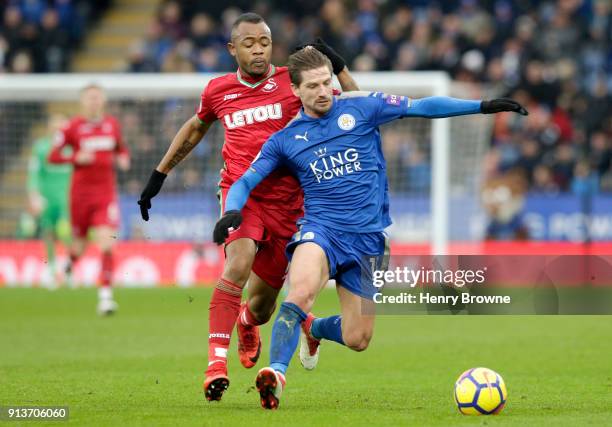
(285, 335)
(329, 328)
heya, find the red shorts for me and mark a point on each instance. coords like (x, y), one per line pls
(85, 214)
(271, 228)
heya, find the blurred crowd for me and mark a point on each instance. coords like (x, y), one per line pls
(148, 127)
(553, 56)
(38, 36)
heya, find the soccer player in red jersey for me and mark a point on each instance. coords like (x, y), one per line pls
(92, 142)
(252, 103)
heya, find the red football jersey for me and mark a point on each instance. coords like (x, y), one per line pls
(250, 112)
(95, 180)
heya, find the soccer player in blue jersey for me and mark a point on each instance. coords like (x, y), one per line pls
(334, 148)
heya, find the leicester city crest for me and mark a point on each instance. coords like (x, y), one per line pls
(346, 121)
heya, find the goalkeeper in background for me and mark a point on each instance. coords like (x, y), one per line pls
(47, 187)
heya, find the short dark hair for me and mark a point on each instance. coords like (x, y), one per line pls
(306, 59)
(249, 17)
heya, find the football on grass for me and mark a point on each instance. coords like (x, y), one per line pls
(480, 391)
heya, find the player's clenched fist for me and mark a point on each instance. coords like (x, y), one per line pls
(319, 44)
(230, 221)
(502, 104)
(153, 186)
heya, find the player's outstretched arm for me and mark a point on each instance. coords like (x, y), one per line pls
(443, 106)
(236, 199)
(188, 136)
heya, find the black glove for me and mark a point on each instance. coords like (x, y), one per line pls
(502, 104)
(153, 186)
(319, 44)
(230, 219)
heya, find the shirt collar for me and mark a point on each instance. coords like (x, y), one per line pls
(253, 82)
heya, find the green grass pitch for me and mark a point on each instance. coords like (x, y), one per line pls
(145, 365)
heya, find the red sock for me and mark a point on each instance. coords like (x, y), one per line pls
(106, 272)
(246, 318)
(222, 314)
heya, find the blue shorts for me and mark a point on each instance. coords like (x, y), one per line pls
(351, 256)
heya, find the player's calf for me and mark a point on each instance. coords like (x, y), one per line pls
(356, 341)
(356, 338)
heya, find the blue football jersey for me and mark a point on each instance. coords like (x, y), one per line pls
(338, 160)
(338, 157)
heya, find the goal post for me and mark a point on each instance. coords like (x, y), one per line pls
(152, 107)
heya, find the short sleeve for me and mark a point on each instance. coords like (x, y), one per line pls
(205, 112)
(61, 140)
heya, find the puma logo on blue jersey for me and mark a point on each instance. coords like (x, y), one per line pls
(304, 137)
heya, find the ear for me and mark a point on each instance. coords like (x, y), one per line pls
(295, 90)
(231, 48)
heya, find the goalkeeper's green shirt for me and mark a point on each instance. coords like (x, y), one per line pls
(51, 181)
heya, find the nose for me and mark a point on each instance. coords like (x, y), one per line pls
(322, 91)
(258, 49)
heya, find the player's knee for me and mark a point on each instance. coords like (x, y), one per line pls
(300, 296)
(357, 341)
(237, 270)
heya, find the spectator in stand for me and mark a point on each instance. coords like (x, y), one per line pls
(529, 158)
(11, 31)
(600, 153)
(543, 182)
(21, 63)
(563, 166)
(139, 60)
(54, 42)
(43, 31)
(585, 181)
(170, 18)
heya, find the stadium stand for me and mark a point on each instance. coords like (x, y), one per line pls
(563, 46)
(41, 36)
